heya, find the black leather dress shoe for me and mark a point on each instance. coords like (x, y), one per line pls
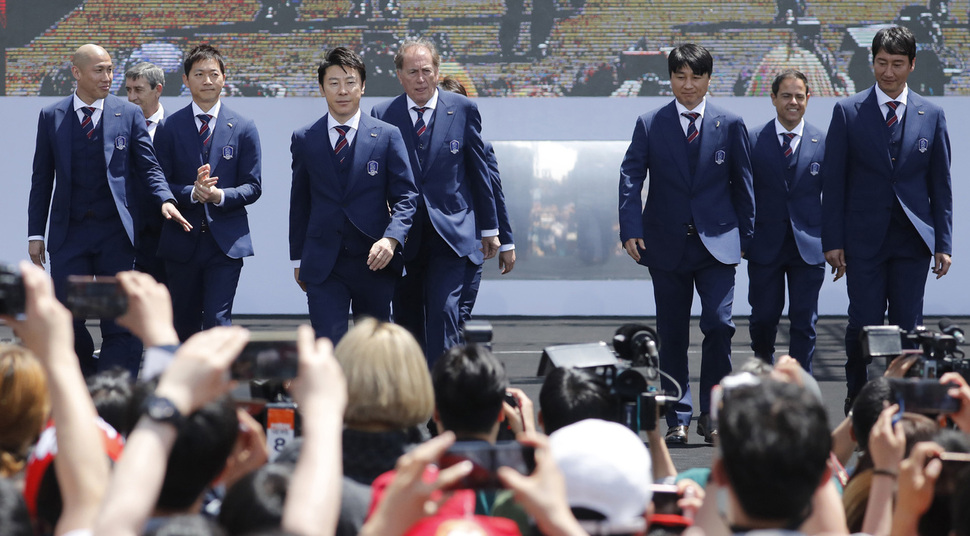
(676, 435)
(706, 428)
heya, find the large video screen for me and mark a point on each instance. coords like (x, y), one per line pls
(505, 48)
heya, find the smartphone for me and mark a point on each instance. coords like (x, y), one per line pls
(487, 458)
(924, 396)
(665, 497)
(267, 355)
(88, 297)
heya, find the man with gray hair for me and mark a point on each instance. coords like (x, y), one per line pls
(143, 84)
(455, 223)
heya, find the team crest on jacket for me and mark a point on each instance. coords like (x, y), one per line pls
(372, 168)
(814, 168)
(121, 142)
(719, 157)
(454, 145)
(923, 144)
(227, 152)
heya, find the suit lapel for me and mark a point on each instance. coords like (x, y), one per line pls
(110, 128)
(771, 144)
(363, 148)
(710, 139)
(673, 133)
(225, 126)
(190, 139)
(806, 153)
(444, 116)
(913, 122)
(321, 154)
(397, 114)
(62, 116)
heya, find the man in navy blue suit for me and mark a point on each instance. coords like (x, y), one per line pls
(786, 158)
(211, 158)
(97, 146)
(442, 132)
(351, 203)
(506, 252)
(887, 203)
(698, 219)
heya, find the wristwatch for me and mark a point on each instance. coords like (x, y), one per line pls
(162, 410)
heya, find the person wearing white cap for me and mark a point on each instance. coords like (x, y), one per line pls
(608, 475)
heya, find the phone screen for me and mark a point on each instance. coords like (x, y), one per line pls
(924, 396)
(486, 459)
(267, 355)
(665, 499)
(88, 297)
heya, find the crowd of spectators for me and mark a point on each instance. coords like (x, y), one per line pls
(171, 452)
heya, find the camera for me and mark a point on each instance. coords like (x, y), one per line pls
(634, 346)
(12, 295)
(939, 350)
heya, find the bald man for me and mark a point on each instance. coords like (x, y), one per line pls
(97, 147)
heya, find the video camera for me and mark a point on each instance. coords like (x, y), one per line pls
(634, 346)
(940, 352)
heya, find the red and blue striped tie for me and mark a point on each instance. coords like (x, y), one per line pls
(87, 124)
(691, 127)
(341, 144)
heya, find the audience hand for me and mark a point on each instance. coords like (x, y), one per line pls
(149, 314)
(250, 451)
(901, 365)
(691, 497)
(410, 496)
(199, 373)
(543, 493)
(887, 442)
(320, 382)
(522, 418)
(917, 478)
(962, 393)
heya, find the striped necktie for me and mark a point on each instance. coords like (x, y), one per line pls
(341, 144)
(87, 124)
(419, 126)
(692, 132)
(891, 118)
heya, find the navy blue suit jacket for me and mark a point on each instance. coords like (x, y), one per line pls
(454, 183)
(234, 158)
(778, 204)
(380, 198)
(719, 199)
(504, 225)
(128, 155)
(860, 180)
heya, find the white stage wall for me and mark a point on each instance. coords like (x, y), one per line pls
(267, 286)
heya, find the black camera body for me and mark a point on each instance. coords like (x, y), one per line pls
(13, 298)
(939, 350)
